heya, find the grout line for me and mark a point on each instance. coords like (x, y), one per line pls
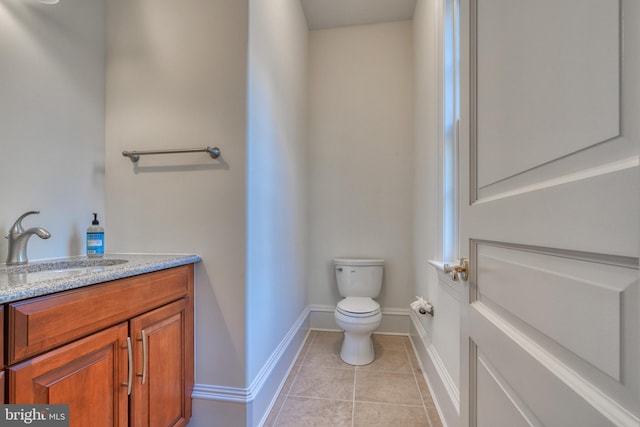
(306, 347)
(427, 384)
(405, 405)
(332, 399)
(275, 421)
(386, 371)
(287, 394)
(415, 379)
(293, 380)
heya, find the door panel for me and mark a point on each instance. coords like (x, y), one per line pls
(557, 60)
(549, 208)
(574, 301)
(546, 388)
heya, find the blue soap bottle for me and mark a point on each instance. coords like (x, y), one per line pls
(95, 239)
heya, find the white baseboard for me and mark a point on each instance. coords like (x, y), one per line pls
(221, 393)
(444, 391)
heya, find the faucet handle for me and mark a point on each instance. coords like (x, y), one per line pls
(17, 226)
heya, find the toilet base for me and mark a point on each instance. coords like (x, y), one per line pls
(357, 349)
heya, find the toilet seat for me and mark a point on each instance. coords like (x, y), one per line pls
(358, 307)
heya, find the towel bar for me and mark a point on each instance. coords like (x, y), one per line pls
(214, 152)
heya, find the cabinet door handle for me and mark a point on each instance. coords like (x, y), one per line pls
(144, 358)
(130, 363)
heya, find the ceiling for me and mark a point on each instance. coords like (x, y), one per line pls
(323, 14)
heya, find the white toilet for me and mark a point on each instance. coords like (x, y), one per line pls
(359, 281)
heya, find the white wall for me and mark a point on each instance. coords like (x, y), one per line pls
(361, 156)
(276, 184)
(426, 165)
(437, 338)
(176, 77)
(52, 121)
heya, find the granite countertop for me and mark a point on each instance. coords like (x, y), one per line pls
(48, 276)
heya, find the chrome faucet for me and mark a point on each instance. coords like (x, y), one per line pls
(18, 238)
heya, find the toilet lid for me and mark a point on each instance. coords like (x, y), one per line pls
(358, 305)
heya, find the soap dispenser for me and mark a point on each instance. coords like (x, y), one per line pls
(95, 239)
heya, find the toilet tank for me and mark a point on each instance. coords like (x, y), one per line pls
(359, 277)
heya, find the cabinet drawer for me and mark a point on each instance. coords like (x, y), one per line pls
(42, 323)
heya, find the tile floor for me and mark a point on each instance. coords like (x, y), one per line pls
(322, 390)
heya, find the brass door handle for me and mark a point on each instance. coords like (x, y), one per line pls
(458, 271)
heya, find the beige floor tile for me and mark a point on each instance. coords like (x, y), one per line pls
(325, 351)
(388, 342)
(309, 412)
(324, 383)
(387, 387)
(379, 414)
(325, 357)
(330, 339)
(389, 360)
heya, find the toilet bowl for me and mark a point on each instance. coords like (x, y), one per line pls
(359, 281)
(357, 347)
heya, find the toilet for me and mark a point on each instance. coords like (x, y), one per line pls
(359, 281)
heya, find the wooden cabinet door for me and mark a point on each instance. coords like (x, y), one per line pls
(87, 374)
(163, 361)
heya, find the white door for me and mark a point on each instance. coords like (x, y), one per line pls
(549, 215)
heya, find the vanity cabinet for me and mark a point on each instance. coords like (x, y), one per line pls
(119, 353)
